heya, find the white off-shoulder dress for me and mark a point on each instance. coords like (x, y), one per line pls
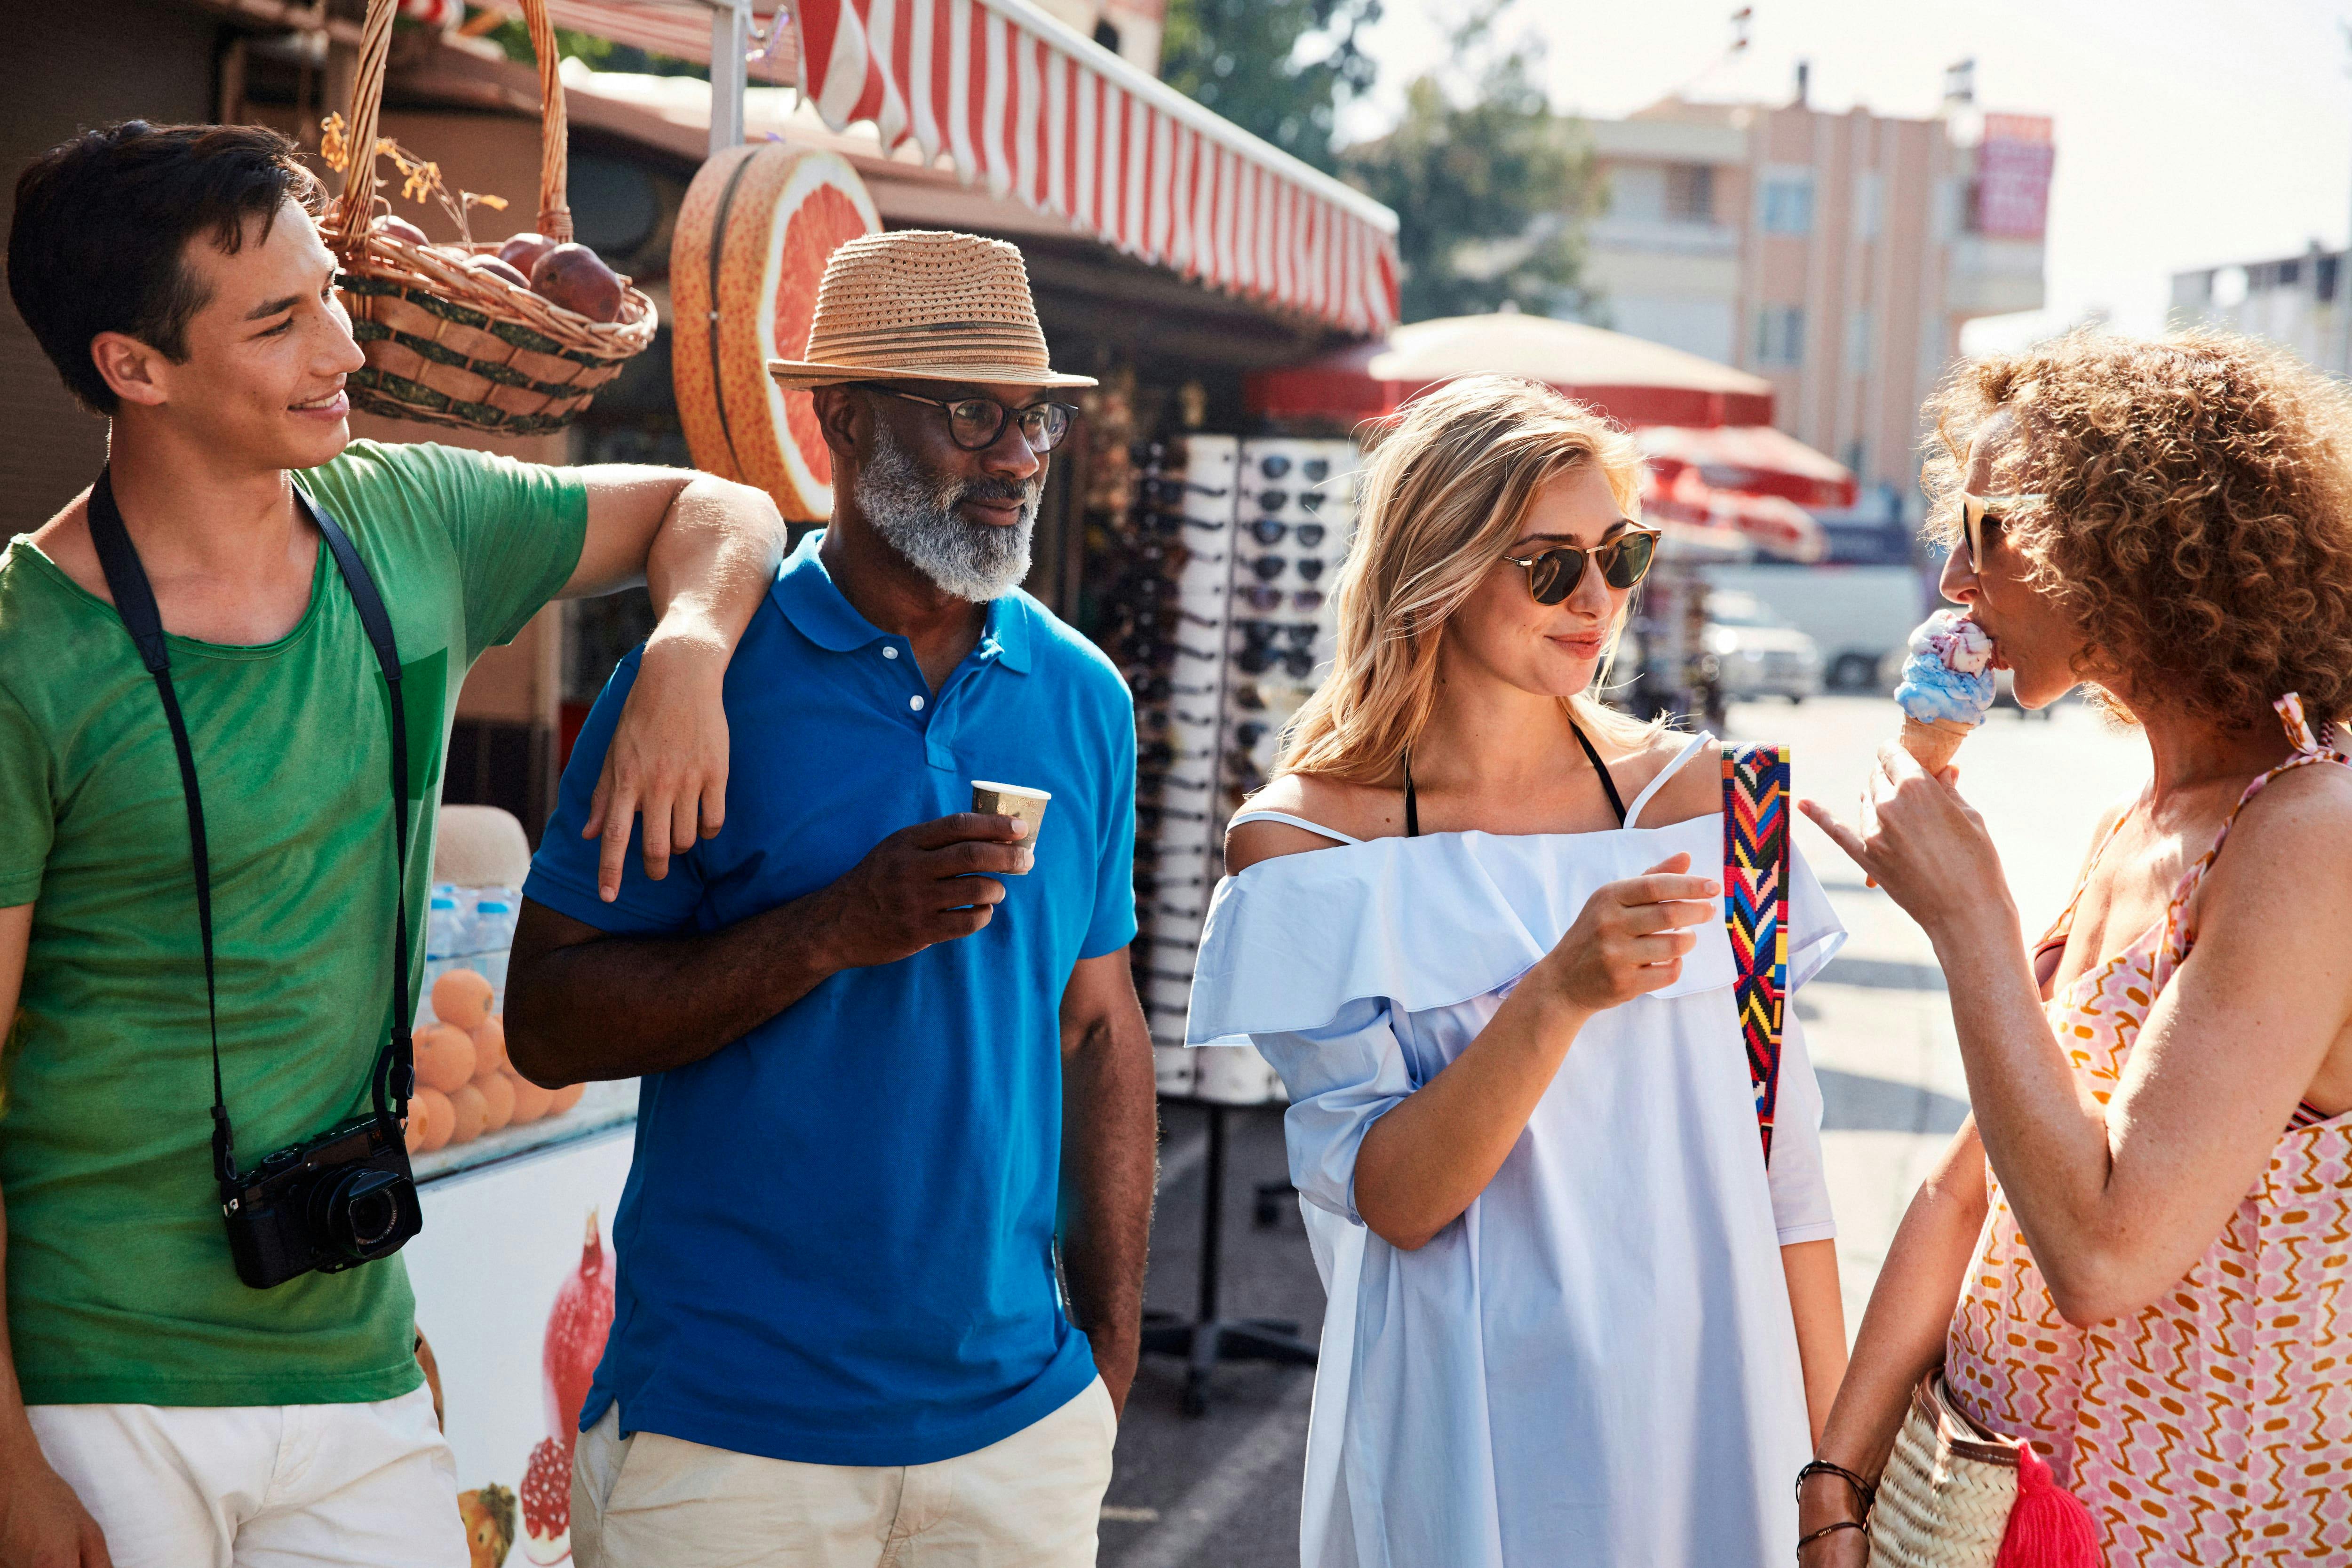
(1596, 1363)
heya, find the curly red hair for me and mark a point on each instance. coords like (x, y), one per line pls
(2195, 511)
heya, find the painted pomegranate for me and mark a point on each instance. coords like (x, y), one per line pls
(575, 1338)
(546, 1503)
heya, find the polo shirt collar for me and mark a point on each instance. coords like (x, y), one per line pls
(805, 593)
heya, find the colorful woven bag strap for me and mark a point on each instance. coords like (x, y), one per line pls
(1755, 896)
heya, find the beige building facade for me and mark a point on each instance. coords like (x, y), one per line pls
(1128, 28)
(1836, 255)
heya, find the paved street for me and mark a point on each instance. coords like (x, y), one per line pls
(1222, 1492)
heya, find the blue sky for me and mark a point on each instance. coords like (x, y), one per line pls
(2187, 134)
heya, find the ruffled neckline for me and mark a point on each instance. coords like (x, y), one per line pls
(1436, 920)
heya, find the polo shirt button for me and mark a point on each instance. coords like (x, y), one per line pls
(889, 652)
(916, 703)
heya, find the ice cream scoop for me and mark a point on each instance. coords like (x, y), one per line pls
(1947, 688)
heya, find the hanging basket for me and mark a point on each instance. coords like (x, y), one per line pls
(448, 344)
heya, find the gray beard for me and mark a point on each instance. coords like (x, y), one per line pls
(915, 511)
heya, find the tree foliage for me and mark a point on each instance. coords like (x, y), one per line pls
(1277, 68)
(1489, 185)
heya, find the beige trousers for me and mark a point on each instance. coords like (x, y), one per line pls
(1032, 1500)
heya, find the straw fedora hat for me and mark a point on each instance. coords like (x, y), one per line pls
(924, 305)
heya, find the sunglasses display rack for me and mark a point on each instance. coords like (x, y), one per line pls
(1170, 608)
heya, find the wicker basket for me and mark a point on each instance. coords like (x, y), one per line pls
(1945, 1498)
(448, 344)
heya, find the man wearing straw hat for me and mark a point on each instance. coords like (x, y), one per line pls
(200, 837)
(882, 1028)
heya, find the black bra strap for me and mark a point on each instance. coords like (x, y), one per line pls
(1608, 784)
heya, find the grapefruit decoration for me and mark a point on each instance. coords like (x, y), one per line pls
(753, 236)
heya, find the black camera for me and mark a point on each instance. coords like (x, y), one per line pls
(342, 1199)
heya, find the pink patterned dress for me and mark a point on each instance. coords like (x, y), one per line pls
(2215, 1425)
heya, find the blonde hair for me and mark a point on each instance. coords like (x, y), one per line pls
(1446, 491)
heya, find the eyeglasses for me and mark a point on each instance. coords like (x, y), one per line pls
(1624, 561)
(1977, 511)
(1270, 529)
(1166, 492)
(1259, 596)
(974, 424)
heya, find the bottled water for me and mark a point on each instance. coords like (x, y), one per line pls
(493, 925)
(445, 923)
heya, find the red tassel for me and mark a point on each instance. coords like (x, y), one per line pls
(2049, 1526)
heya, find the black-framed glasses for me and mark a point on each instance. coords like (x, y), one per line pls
(1259, 658)
(1265, 632)
(1977, 513)
(1624, 561)
(1160, 491)
(974, 424)
(1273, 500)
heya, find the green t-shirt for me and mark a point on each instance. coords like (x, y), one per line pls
(121, 1287)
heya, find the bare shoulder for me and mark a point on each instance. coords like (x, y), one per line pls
(1355, 810)
(2298, 828)
(1694, 790)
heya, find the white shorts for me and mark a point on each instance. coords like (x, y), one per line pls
(1033, 1500)
(262, 1485)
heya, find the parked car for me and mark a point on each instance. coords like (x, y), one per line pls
(1856, 614)
(1756, 653)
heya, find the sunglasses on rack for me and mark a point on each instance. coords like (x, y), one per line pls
(1172, 524)
(1979, 514)
(1148, 814)
(1150, 685)
(1158, 756)
(1624, 561)
(1270, 529)
(1169, 494)
(1264, 598)
(974, 424)
(1258, 659)
(1265, 632)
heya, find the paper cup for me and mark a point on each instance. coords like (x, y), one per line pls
(992, 799)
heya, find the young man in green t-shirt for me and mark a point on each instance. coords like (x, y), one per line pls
(153, 1409)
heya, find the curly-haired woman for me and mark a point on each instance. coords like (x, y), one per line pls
(1574, 1319)
(2134, 1254)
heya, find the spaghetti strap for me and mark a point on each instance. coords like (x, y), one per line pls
(1633, 812)
(2310, 748)
(1332, 832)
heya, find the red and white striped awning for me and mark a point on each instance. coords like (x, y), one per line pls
(1773, 524)
(1028, 107)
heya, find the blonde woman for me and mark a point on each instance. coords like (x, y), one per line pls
(1474, 924)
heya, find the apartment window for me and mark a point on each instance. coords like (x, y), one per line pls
(1107, 36)
(1780, 335)
(1788, 202)
(1690, 193)
(1869, 205)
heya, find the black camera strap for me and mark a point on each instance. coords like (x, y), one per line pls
(391, 1080)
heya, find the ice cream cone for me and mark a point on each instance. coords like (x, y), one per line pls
(1935, 742)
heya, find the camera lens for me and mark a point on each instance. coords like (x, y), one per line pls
(360, 1213)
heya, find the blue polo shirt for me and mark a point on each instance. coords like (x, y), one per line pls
(836, 1241)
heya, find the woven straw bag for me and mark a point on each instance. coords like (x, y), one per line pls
(1945, 1498)
(450, 345)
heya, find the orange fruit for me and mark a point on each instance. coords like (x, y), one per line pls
(490, 1044)
(530, 1100)
(566, 1098)
(752, 239)
(470, 1111)
(461, 997)
(444, 1058)
(431, 1107)
(497, 1091)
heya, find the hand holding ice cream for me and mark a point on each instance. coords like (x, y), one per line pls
(1946, 688)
